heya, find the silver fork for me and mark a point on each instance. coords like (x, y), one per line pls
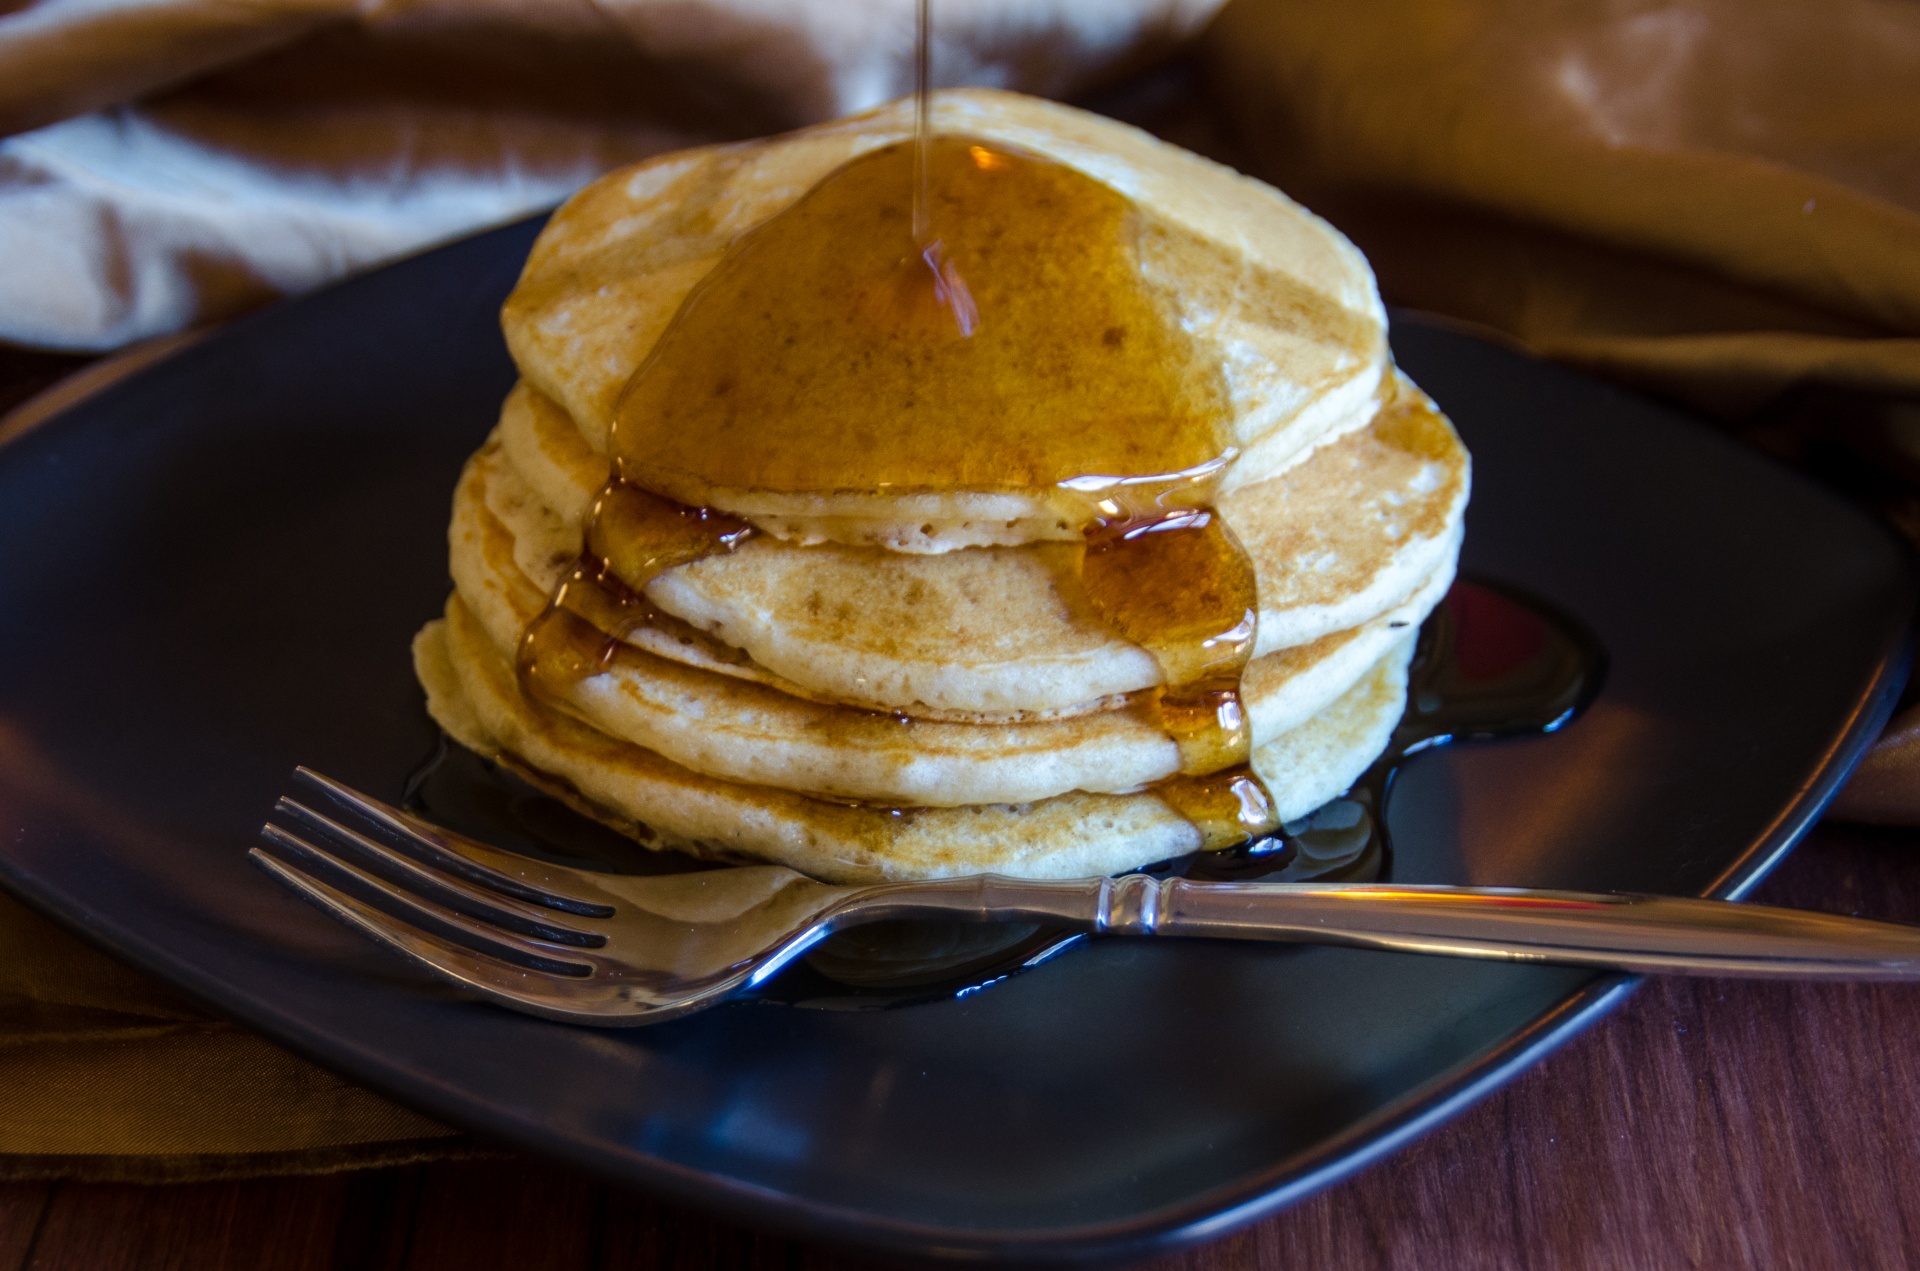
(614, 950)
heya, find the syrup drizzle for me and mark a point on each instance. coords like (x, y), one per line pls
(922, 119)
(633, 536)
(944, 315)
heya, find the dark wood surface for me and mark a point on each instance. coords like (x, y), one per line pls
(1705, 1124)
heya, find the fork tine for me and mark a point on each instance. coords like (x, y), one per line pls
(565, 998)
(504, 872)
(418, 911)
(488, 906)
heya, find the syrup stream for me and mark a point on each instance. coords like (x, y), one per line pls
(922, 121)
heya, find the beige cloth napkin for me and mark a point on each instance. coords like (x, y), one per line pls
(174, 161)
(1713, 200)
(1717, 201)
(107, 1074)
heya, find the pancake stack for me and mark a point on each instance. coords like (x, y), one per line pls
(894, 683)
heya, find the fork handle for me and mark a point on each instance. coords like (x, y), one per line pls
(1645, 934)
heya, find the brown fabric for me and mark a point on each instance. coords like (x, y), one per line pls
(1716, 201)
(107, 1074)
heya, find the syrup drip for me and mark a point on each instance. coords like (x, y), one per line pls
(1183, 589)
(944, 315)
(632, 537)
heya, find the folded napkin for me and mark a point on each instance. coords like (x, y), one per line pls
(1717, 201)
(174, 161)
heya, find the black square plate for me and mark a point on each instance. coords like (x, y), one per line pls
(211, 572)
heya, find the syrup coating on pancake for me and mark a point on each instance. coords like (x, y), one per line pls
(837, 347)
(1281, 303)
(829, 351)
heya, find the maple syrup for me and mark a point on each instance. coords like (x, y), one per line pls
(824, 354)
(632, 537)
(946, 314)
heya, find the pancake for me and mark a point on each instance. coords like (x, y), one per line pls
(989, 633)
(926, 600)
(728, 722)
(1277, 300)
(472, 694)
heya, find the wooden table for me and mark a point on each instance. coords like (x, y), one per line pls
(1705, 1124)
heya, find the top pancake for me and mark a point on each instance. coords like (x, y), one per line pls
(1277, 299)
